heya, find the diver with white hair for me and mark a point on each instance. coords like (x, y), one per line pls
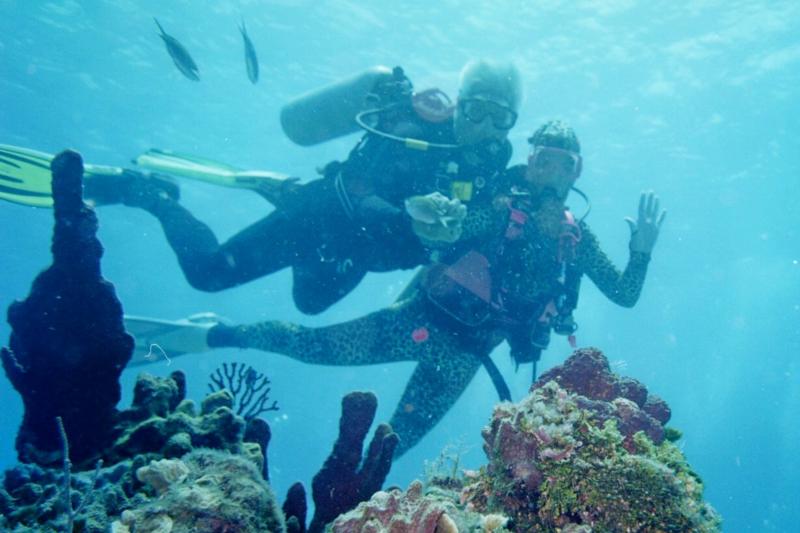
(486, 90)
(416, 170)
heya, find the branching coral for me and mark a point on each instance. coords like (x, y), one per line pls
(248, 387)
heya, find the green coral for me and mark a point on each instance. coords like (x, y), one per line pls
(629, 493)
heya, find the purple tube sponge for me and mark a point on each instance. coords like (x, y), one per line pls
(68, 344)
(345, 479)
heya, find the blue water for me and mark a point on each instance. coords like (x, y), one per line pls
(697, 102)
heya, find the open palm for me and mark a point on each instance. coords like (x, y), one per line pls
(644, 231)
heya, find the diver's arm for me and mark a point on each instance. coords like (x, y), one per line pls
(381, 220)
(369, 188)
(622, 288)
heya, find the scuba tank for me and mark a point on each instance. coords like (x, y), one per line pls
(330, 111)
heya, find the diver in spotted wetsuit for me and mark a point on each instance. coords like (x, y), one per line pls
(505, 279)
(333, 230)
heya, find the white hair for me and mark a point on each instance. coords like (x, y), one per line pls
(488, 78)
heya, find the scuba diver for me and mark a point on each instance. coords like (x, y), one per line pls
(505, 279)
(333, 230)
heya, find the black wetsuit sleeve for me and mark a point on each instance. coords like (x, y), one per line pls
(383, 222)
(622, 288)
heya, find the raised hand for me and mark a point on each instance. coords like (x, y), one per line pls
(644, 231)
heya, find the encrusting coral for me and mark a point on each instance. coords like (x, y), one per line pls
(205, 491)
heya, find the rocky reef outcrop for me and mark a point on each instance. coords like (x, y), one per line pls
(584, 451)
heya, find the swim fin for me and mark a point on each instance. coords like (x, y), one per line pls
(162, 340)
(25, 175)
(209, 171)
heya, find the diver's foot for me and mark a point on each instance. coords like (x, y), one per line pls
(131, 188)
(274, 188)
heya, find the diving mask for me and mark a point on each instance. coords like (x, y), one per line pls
(548, 165)
(477, 109)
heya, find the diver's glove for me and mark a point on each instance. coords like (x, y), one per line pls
(435, 217)
(644, 231)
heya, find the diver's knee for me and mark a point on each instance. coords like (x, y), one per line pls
(309, 305)
(202, 281)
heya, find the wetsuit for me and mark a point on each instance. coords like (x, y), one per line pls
(448, 352)
(334, 230)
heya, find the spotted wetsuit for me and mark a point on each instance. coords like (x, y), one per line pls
(447, 353)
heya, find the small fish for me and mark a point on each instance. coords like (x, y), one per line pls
(250, 58)
(180, 55)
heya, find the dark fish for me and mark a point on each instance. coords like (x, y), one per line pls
(250, 58)
(180, 55)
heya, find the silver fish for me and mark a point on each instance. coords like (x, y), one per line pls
(250, 58)
(180, 55)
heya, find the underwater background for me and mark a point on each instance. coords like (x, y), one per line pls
(697, 101)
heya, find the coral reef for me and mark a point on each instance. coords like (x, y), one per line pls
(169, 466)
(68, 344)
(160, 427)
(559, 459)
(257, 431)
(249, 390)
(31, 497)
(164, 473)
